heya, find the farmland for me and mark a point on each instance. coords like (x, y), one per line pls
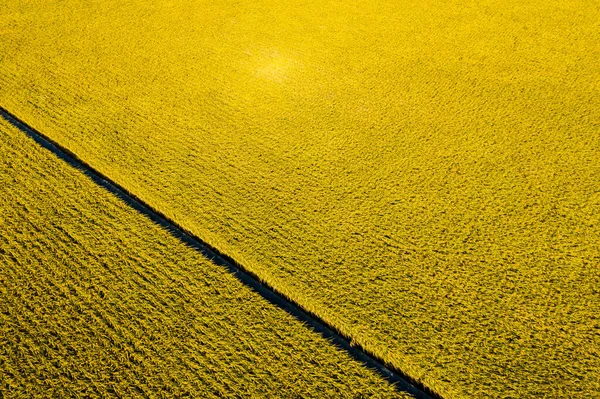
(422, 175)
(96, 299)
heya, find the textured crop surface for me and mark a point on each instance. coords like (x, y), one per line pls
(96, 300)
(424, 175)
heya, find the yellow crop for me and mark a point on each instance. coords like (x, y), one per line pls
(96, 300)
(423, 175)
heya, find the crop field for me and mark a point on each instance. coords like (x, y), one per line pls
(96, 299)
(424, 175)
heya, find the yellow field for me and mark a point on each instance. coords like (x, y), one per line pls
(422, 175)
(96, 300)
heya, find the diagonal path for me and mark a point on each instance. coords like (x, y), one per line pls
(401, 381)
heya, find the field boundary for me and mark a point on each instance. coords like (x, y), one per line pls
(397, 378)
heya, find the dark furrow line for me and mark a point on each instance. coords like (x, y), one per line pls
(400, 380)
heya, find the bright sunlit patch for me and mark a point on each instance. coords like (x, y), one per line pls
(275, 67)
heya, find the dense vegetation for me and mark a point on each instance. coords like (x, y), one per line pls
(424, 175)
(97, 301)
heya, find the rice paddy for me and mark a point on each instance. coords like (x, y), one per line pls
(423, 176)
(98, 301)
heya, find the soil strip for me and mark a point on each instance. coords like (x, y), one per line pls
(401, 381)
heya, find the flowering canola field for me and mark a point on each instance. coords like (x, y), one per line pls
(423, 175)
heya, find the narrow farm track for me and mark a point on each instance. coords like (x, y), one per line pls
(401, 381)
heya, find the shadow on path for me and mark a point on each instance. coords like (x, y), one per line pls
(401, 382)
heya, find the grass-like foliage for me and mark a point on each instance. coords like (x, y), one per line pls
(424, 175)
(97, 301)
